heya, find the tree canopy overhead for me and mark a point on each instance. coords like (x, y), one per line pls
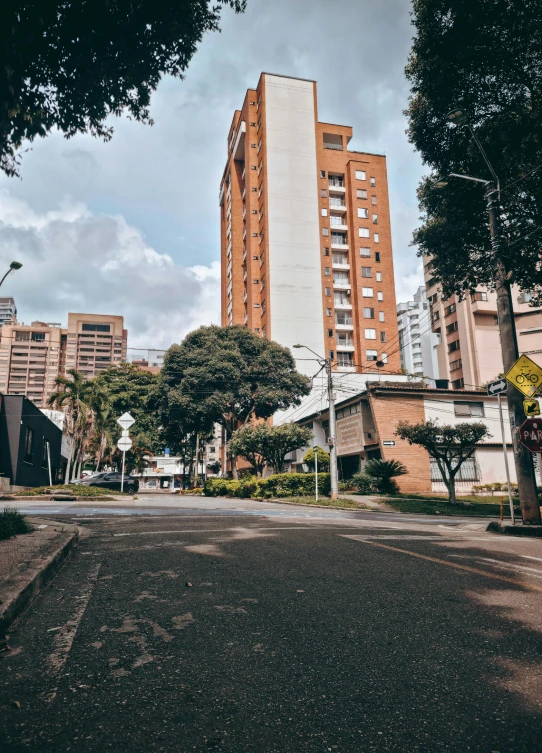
(70, 64)
(484, 56)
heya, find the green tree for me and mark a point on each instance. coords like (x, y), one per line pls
(227, 376)
(126, 387)
(449, 445)
(323, 459)
(71, 65)
(484, 56)
(247, 442)
(269, 445)
(383, 473)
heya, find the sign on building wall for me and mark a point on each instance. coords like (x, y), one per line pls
(349, 435)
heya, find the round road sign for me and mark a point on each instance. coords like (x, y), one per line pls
(124, 444)
(530, 434)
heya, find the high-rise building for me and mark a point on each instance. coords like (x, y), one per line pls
(33, 356)
(416, 340)
(469, 349)
(8, 310)
(305, 232)
(94, 342)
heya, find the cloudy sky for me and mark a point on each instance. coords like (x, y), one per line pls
(131, 227)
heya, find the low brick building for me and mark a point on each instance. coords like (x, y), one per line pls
(367, 422)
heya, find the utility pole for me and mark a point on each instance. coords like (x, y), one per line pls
(332, 441)
(530, 510)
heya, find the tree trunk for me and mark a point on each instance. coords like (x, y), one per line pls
(450, 485)
(196, 477)
(68, 466)
(234, 473)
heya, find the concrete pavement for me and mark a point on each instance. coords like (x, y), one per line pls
(236, 631)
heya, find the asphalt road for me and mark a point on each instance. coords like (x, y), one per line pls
(240, 632)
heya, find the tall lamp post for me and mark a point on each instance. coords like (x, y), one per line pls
(530, 509)
(326, 363)
(12, 267)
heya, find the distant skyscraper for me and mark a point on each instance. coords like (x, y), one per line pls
(417, 341)
(8, 310)
(305, 232)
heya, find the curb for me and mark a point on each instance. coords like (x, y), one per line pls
(508, 530)
(14, 608)
(317, 507)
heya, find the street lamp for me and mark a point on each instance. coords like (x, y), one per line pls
(12, 267)
(507, 327)
(326, 363)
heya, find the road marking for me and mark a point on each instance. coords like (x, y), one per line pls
(528, 557)
(428, 537)
(503, 565)
(63, 639)
(224, 530)
(455, 565)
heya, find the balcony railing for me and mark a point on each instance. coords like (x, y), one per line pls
(336, 183)
(337, 203)
(340, 259)
(344, 321)
(337, 221)
(327, 145)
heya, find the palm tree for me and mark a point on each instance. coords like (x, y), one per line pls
(73, 397)
(106, 431)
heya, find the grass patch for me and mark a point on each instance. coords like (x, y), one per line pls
(441, 506)
(12, 523)
(323, 502)
(79, 490)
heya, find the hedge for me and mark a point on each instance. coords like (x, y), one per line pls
(278, 485)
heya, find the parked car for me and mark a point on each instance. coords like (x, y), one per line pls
(110, 480)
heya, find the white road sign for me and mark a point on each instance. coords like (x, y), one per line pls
(495, 388)
(124, 444)
(126, 420)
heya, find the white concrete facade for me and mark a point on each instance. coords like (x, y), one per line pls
(417, 342)
(293, 218)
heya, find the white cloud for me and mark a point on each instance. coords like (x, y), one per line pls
(76, 260)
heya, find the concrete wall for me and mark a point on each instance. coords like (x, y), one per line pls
(293, 225)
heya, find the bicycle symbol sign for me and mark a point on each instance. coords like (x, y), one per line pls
(525, 375)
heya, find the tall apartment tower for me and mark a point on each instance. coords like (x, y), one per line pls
(8, 310)
(469, 346)
(416, 340)
(94, 342)
(305, 233)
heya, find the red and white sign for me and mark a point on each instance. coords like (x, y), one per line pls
(530, 434)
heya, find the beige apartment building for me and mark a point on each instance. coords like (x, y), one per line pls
(468, 346)
(33, 356)
(305, 232)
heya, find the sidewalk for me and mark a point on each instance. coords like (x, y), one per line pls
(368, 501)
(28, 562)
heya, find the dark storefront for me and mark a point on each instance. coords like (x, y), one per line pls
(27, 439)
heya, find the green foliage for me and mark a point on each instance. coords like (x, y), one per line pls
(382, 473)
(227, 375)
(322, 456)
(12, 523)
(268, 444)
(279, 485)
(363, 483)
(484, 56)
(449, 445)
(79, 490)
(72, 65)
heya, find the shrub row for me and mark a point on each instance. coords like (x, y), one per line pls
(279, 485)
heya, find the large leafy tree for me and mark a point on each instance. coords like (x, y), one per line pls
(227, 375)
(70, 64)
(449, 445)
(484, 56)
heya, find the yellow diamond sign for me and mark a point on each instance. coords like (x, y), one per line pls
(525, 375)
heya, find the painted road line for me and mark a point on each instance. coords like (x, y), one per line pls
(534, 571)
(476, 571)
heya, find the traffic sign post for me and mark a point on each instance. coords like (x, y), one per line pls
(124, 443)
(525, 375)
(315, 450)
(505, 452)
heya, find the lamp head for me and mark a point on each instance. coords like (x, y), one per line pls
(297, 346)
(380, 364)
(15, 265)
(457, 116)
(440, 183)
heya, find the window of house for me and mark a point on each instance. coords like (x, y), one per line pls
(382, 337)
(371, 355)
(373, 199)
(345, 359)
(379, 276)
(264, 305)
(367, 292)
(325, 231)
(453, 346)
(364, 232)
(375, 219)
(363, 213)
(368, 313)
(361, 193)
(327, 291)
(372, 182)
(323, 193)
(322, 173)
(255, 282)
(330, 333)
(478, 295)
(361, 175)
(370, 334)
(324, 212)
(326, 251)
(329, 312)
(453, 327)
(450, 309)
(28, 444)
(256, 305)
(455, 365)
(380, 296)
(376, 238)
(476, 410)
(85, 327)
(331, 354)
(327, 271)
(377, 256)
(366, 271)
(458, 384)
(381, 316)
(364, 251)
(254, 235)
(44, 453)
